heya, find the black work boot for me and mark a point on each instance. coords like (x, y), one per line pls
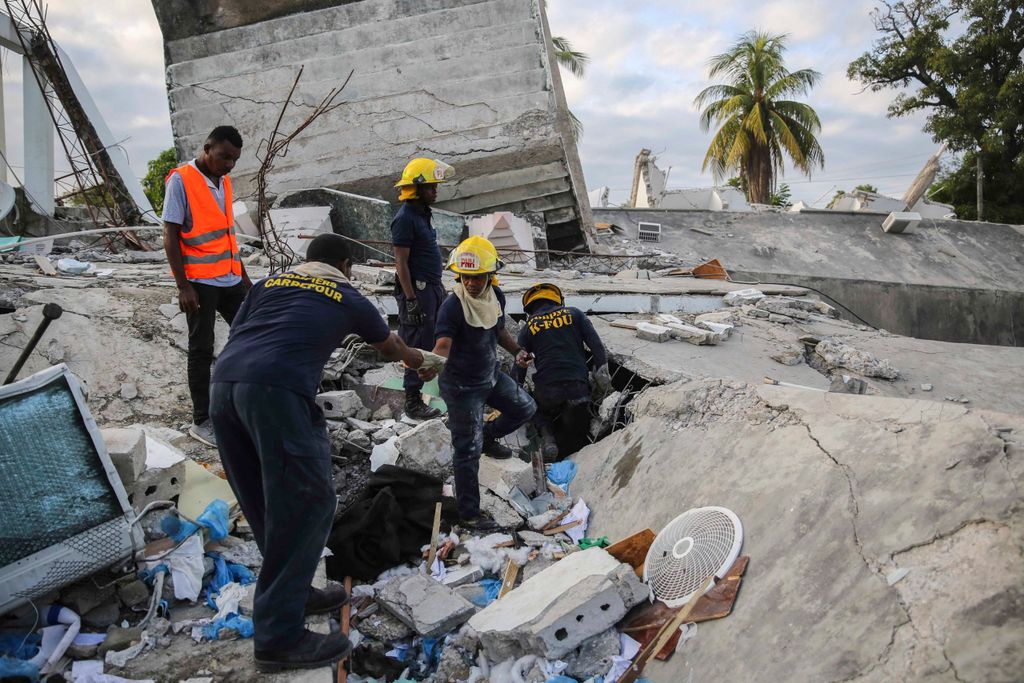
(327, 600)
(313, 651)
(495, 449)
(549, 447)
(481, 521)
(416, 409)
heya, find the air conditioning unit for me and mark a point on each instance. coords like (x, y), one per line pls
(901, 221)
(63, 511)
(649, 232)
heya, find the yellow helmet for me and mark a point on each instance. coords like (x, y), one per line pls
(422, 171)
(474, 256)
(543, 290)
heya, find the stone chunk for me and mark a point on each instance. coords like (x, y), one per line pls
(726, 317)
(693, 335)
(339, 404)
(424, 605)
(426, 448)
(839, 355)
(501, 476)
(460, 576)
(792, 355)
(373, 276)
(502, 513)
(127, 449)
(651, 332)
(723, 330)
(133, 594)
(555, 611)
(384, 626)
(163, 477)
(594, 656)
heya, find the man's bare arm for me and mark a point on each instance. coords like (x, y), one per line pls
(188, 300)
(393, 348)
(404, 275)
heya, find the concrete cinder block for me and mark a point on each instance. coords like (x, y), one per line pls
(426, 448)
(127, 449)
(501, 476)
(555, 611)
(339, 404)
(163, 477)
(424, 605)
(654, 333)
(723, 330)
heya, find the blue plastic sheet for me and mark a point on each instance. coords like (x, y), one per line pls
(561, 473)
(214, 518)
(225, 572)
(20, 645)
(18, 669)
(561, 679)
(241, 624)
(490, 594)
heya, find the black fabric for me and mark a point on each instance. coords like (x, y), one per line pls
(212, 300)
(288, 327)
(564, 407)
(559, 337)
(387, 525)
(411, 228)
(276, 455)
(419, 336)
(473, 358)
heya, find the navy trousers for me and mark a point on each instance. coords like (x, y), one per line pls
(212, 300)
(466, 422)
(275, 451)
(564, 408)
(419, 336)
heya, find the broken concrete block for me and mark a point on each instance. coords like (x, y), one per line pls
(723, 330)
(421, 603)
(103, 615)
(594, 657)
(133, 594)
(359, 441)
(793, 355)
(373, 276)
(383, 413)
(426, 448)
(460, 576)
(339, 404)
(693, 335)
(569, 275)
(361, 424)
(555, 611)
(780, 319)
(743, 296)
(836, 354)
(502, 513)
(384, 626)
(651, 332)
(534, 538)
(169, 310)
(127, 449)
(926, 387)
(296, 225)
(725, 316)
(163, 477)
(756, 312)
(666, 319)
(501, 476)
(84, 596)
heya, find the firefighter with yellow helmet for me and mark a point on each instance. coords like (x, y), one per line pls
(418, 289)
(470, 326)
(559, 338)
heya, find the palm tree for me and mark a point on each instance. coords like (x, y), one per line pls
(576, 63)
(755, 126)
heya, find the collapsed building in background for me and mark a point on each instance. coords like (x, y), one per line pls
(471, 83)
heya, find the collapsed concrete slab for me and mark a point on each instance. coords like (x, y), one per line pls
(836, 492)
(424, 605)
(496, 111)
(426, 448)
(555, 611)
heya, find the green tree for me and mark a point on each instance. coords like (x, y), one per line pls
(576, 63)
(866, 187)
(756, 126)
(970, 79)
(957, 186)
(782, 197)
(156, 172)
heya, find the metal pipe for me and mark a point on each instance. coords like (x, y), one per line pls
(50, 313)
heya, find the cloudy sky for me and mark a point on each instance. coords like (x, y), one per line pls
(648, 61)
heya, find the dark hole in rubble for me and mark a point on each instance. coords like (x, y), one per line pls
(561, 634)
(328, 405)
(579, 617)
(174, 481)
(150, 490)
(605, 607)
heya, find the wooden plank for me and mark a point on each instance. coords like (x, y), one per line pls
(557, 490)
(44, 264)
(508, 579)
(633, 550)
(346, 614)
(433, 538)
(540, 475)
(558, 518)
(559, 529)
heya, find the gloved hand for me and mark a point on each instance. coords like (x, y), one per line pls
(432, 361)
(603, 379)
(414, 315)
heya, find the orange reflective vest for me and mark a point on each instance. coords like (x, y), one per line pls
(209, 248)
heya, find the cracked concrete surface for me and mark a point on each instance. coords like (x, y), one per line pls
(836, 492)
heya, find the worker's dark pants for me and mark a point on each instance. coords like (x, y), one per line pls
(212, 300)
(466, 422)
(275, 451)
(564, 408)
(419, 336)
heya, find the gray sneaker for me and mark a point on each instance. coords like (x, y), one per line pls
(203, 433)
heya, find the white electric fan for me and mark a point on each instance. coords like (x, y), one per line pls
(696, 544)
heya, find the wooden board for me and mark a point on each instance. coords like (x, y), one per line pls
(508, 579)
(643, 622)
(633, 550)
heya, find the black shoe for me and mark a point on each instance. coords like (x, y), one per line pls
(416, 409)
(481, 521)
(549, 447)
(494, 449)
(314, 650)
(325, 601)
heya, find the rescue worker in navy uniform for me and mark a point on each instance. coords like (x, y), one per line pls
(470, 326)
(273, 440)
(418, 290)
(558, 337)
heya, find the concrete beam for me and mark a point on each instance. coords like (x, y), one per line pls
(38, 179)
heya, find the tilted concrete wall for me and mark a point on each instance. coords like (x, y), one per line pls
(471, 82)
(949, 280)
